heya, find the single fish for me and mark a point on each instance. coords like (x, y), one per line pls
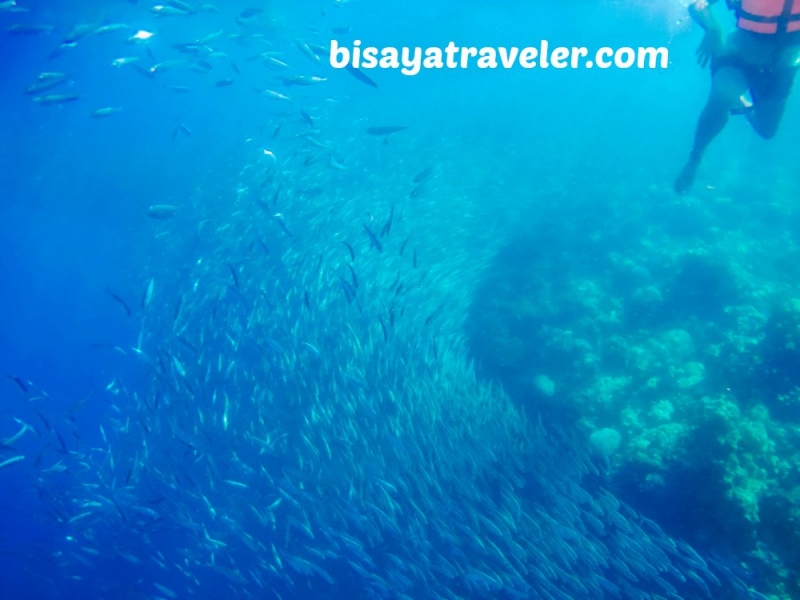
(182, 129)
(142, 71)
(48, 75)
(125, 60)
(79, 32)
(11, 461)
(165, 10)
(424, 175)
(201, 65)
(165, 590)
(148, 295)
(302, 80)
(19, 382)
(234, 275)
(44, 420)
(386, 129)
(237, 484)
(120, 301)
(435, 313)
(188, 47)
(61, 49)
(167, 64)
(282, 224)
(349, 290)
(162, 211)
(319, 50)
(350, 249)
(17, 436)
(360, 76)
(387, 228)
(335, 164)
(179, 367)
(306, 49)
(110, 28)
(210, 37)
(374, 242)
(272, 61)
(44, 84)
(403, 245)
(29, 29)
(353, 275)
(140, 36)
(275, 95)
(187, 8)
(54, 99)
(61, 442)
(307, 118)
(106, 112)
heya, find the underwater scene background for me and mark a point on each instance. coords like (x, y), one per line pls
(272, 330)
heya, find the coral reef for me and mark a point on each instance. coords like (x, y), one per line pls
(684, 340)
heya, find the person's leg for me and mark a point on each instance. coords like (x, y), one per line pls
(770, 92)
(766, 116)
(727, 85)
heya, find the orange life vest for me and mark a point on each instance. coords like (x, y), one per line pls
(769, 16)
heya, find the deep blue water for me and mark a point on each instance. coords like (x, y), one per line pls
(76, 191)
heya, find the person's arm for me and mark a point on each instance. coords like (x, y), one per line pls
(702, 15)
(712, 40)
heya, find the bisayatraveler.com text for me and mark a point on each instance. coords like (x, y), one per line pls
(412, 60)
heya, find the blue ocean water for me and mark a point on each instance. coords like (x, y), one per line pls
(370, 366)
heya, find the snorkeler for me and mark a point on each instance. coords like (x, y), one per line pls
(761, 55)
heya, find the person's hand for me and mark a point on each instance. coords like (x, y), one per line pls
(709, 47)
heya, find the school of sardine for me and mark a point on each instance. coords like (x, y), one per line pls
(308, 422)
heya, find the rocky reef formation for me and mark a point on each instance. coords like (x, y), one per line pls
(684, 339)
